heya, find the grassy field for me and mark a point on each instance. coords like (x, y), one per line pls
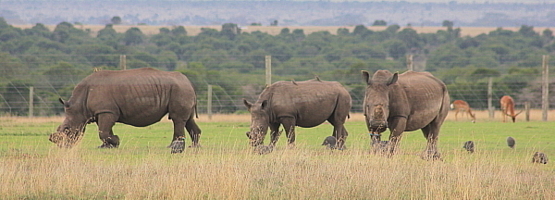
(274, 30)
(225, 168)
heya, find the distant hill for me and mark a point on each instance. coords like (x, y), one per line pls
(285, 13)
(274, 30)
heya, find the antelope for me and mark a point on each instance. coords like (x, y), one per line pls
(462, 106)
(508, 108)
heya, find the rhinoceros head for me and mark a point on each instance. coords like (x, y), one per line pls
(73, 127)
(376, 99)
(259, 121)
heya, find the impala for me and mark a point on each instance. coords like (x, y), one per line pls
(462, 106)
(508, 108)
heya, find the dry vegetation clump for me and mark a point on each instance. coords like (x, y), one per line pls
(284, 174)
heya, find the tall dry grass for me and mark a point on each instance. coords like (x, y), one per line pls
(223, 173)
(231, 171)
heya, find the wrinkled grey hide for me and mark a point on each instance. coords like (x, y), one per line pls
(302, 103)
(137, 97)
(405, 102)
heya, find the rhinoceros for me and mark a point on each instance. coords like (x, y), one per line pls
(405, 102)
(304, 104)
(137, 97)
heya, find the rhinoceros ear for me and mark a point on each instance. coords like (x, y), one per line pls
(247, 104)
(264, 104)
(393, 79)
(63, 102)
(366, 76)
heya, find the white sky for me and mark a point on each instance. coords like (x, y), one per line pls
(458, 1)
(412, 1)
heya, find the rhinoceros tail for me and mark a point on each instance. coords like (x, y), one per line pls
(196, 111)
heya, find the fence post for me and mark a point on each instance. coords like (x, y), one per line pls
(268, 62)
(545, 87)
(491, 109)
(31, 106)
(410, 65)
(209, 102)
(527, 110)
(123, 62)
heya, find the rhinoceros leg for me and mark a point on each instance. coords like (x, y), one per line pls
(340, 133)
(289, 126)
(339, 130)
(397, 127)
(431, 133)
(274, 133)
(105, 122)
(178, 132)
(194, 132)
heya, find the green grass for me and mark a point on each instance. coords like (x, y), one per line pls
(224, 168)
(489, 137)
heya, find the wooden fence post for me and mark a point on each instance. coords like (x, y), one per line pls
(123, 62)
(31, 103)
(545, 87)
(410, 65)
(491, 109)
(268, 62)
(527, 110)
(209, 102)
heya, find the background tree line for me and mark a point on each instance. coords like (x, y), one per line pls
(53, 61)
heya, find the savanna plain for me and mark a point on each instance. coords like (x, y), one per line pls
(225, 167)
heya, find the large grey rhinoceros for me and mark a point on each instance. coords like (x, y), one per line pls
(405, 102)
(138, 97)
(303, 103)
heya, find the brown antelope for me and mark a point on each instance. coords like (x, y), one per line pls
(508, 108)
(462, 106)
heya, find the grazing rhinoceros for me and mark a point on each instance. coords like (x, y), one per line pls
(303, 103)
(405, 102)
(138, 97)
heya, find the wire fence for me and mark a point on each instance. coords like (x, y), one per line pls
(18, 99)
(16, 102)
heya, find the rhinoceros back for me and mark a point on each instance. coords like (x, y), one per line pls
(427, 97)
(139, 97)
(310, 102)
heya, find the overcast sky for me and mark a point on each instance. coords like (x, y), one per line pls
(458, 1)
(411, 1)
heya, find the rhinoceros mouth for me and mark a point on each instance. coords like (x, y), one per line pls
(67, 137)
(378, 126)
(256, 140)
(256, 136)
